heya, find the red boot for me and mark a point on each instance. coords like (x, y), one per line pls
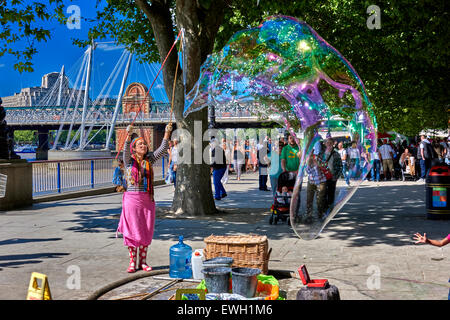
(133, 258)
(143, 258)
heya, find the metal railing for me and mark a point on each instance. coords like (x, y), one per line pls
(60, 176)
(53, 117)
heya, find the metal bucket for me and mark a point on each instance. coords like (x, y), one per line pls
(218, 262)
(244, 281)
(217, 279)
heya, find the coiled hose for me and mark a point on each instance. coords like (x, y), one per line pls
(121, 282)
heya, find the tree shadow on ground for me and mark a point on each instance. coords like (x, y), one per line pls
(26, 240)
(388, 214)
(17, 260)
(95, 221)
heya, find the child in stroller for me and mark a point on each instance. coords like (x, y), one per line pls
(282, 201)
(407, 163)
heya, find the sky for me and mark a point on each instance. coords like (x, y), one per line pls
(59, 50)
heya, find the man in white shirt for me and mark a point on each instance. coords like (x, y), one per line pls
(354, 159)
(387, 158)
(343, 154)
(375, 172)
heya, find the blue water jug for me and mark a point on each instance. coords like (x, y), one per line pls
(180, 260)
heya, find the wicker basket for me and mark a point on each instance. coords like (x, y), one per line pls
(249, 251)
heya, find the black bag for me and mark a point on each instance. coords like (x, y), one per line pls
(428, 151)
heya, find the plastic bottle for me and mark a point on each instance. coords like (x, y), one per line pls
(197, 264)
(180, 260)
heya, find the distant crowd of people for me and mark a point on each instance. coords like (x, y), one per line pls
(414, 159)
(330, 160)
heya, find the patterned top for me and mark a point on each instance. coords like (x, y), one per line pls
(385, 151)
(146, 171)
(315, 175)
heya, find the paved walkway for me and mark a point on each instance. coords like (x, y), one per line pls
(367, 250)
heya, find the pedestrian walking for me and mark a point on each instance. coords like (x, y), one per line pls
(238, 159)
(354, 162)
(332, 160)
(446, 146)
(137, 220)
(247, 156)
(254, 157)
(425, 155)
(387, 158)
(275, 167)
(289, 156)
(375, 157)
(263, 164)
(226, 149)
(219, 166)
(343, 153)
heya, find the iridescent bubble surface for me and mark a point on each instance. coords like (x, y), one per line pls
(283, 70)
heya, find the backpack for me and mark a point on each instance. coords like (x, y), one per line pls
(428, 151)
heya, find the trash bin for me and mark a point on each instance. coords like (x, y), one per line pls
(437, 192)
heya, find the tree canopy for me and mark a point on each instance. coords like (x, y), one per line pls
(404, 64)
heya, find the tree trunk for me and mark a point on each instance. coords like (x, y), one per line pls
(193, 193)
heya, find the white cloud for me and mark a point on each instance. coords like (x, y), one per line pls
(109, 47)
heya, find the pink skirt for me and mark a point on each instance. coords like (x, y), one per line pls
(137, 221)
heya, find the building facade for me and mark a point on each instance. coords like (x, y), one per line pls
(46, 94)
(136, 100)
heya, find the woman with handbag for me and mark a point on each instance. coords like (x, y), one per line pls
(333, 164)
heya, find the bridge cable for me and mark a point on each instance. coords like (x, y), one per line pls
(148, 91)
(66, 112)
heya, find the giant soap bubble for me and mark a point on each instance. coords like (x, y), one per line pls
(284, 70)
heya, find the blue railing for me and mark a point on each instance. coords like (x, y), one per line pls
(60, 176)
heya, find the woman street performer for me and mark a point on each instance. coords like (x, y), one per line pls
(137, 220)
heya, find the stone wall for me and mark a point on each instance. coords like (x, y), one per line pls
(19, 185)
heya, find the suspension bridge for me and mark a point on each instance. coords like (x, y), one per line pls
(73, 106)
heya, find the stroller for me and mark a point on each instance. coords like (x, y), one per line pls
(406, 173)
(281, 205)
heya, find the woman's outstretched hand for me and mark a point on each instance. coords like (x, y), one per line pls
(168, 131)
(420, 239)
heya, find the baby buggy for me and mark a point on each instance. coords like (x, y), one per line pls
(406, 169)
(281, 204)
